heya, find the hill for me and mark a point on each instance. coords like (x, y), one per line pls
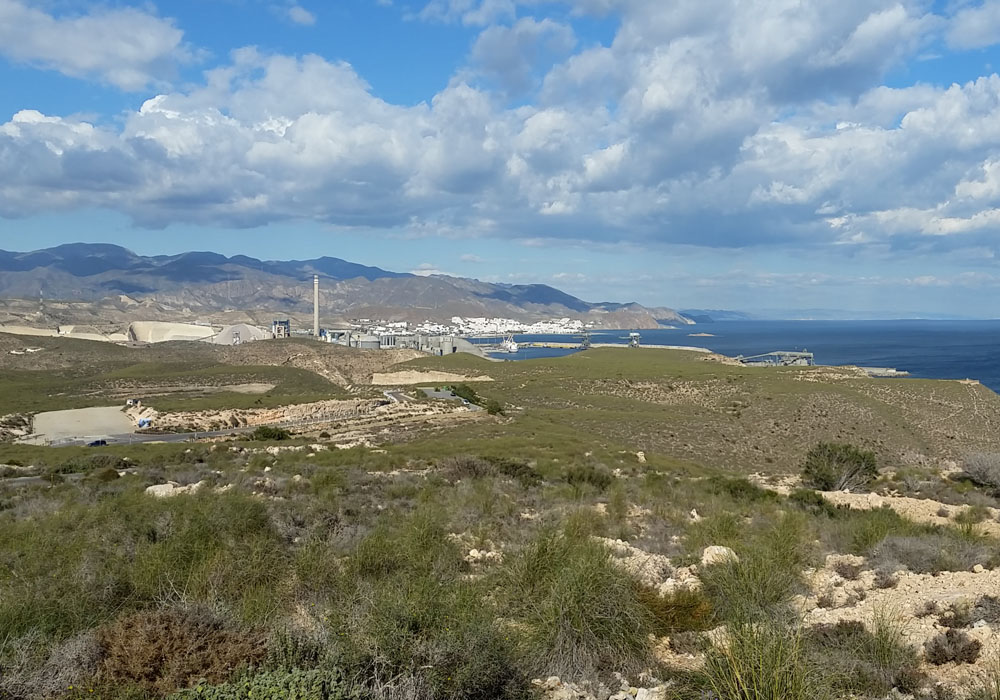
(105, 282)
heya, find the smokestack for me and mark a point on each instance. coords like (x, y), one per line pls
(316, 305)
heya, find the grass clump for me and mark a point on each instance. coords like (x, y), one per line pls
(758, 585)
(582, 616)
(831, 466)
(403, 610)
(763, 661)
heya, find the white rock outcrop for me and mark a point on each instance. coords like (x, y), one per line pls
(716, 554)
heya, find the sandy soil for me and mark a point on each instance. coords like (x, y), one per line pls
(411, 377)
(82, 422)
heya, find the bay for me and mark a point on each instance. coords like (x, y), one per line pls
(926, 349)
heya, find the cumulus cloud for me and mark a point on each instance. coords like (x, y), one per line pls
(125, 47)
(975, 27)
(723, 123)
(509, 55)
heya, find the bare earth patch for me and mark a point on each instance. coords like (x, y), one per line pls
(413, 377)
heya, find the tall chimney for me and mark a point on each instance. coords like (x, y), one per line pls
(316, 305)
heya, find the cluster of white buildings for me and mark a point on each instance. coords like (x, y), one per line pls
(461, 325)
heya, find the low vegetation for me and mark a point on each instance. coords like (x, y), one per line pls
(566, 539)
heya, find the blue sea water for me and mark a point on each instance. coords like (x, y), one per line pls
(927, 349)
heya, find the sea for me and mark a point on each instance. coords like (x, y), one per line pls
(926, 349)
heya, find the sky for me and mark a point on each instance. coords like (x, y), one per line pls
(737, 154)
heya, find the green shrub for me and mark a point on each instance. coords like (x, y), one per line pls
(813, 503)
(278, 685)
(269, 432)
(834, 466)
(494, 407)
(740, 489)
(464, 391)
(580, 475)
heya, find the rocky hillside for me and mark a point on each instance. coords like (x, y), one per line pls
(208, 283)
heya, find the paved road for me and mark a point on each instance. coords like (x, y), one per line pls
(448, 395)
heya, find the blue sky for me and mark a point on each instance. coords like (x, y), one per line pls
(712, 153)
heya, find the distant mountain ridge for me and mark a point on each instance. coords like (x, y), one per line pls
(205, 282)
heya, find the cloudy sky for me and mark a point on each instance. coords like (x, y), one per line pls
(694, 153)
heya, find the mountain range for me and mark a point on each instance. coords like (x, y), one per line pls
(204, 284)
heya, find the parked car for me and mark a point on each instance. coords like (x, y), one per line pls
(97, 443)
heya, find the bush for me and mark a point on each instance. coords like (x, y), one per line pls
(983, 468)
(973, 515)
(870, 663)
(813, 503)
(588, 474)
(269, 432)
(163, 650)
(494, 408)
(931, 554)
(952, 646)
(316, 684)
(836, 467)
(464, 391)
(740, 489)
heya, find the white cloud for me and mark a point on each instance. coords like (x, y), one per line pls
(469, 12)
(688, 129)
(509, 54)
(471, 258)
(975, 27)
(125, 47)
(301, 15)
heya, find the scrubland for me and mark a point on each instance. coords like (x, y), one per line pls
(637, 525)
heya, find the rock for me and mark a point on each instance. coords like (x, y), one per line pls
(978, 569)
(658, 693)
(716, 554)
(172, 488)
(641, 456)
(694, 516)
